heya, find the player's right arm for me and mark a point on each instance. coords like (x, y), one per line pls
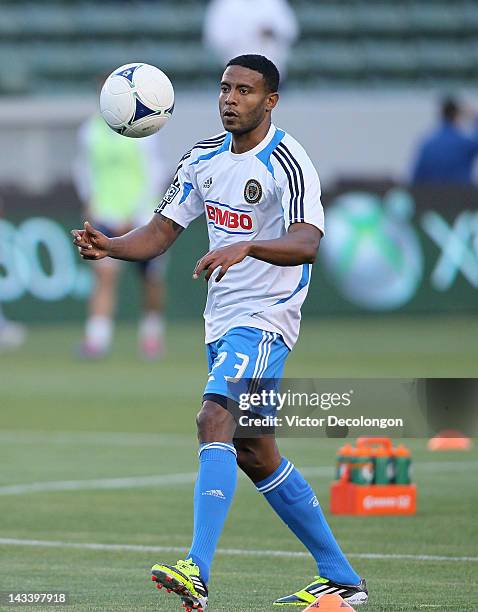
(142, 243)
(181, 204)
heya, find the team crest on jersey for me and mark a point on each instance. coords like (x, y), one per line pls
(252, 191)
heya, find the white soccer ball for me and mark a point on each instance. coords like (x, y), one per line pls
(137, 100)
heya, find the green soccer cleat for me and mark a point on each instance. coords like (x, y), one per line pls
(352, 594)
(185, 580)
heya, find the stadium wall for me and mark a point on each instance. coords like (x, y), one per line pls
(353, 134)
(388, 249)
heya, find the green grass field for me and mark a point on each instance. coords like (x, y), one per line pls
(98, 462)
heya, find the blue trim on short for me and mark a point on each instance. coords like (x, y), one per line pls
(256, 354)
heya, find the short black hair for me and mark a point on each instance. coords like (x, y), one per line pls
(450, 109)
(261, 64)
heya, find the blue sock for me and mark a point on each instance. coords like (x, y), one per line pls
(295, 502)
(213, 493)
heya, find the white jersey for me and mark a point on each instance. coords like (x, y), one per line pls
(249, 196)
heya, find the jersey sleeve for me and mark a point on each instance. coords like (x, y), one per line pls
(182, 202)
(300, 188)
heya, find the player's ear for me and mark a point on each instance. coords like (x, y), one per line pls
(271, 101)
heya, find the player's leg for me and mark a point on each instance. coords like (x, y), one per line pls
(213, 492)
(215, 484)
(99, 325)
(213, 495)
(293, 499)
(240, 355)
(233, 361)
(151, 326)
(101, 306)
(258, 458)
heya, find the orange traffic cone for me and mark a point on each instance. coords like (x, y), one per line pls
(449, 440)
(329, 602)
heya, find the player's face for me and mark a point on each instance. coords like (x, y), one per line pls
(244, 102)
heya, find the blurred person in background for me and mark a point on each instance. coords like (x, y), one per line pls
(118, 180)
(448, 154)
(235, 27)
(12, 334)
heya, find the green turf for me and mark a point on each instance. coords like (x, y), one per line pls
(58, 420)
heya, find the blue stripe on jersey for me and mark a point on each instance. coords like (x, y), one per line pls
(222, 149)
(227, 206)
(203, 144)
(188, 187)
(265, 155)
(304, 279)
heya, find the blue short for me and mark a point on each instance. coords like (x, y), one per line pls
(245, 360)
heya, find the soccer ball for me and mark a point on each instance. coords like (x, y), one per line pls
(137, 100)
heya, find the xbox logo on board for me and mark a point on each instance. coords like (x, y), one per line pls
(371, 251)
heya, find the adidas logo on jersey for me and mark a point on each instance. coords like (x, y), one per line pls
(237, 221)
(207, 183)
(215, 493)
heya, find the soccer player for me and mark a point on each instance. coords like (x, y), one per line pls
(261, 197)
(117, 179)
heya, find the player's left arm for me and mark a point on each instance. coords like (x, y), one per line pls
(298, 246)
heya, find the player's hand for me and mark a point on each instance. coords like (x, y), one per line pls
(222, 258)
(91, 243)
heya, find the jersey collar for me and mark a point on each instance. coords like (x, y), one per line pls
(264, 142)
